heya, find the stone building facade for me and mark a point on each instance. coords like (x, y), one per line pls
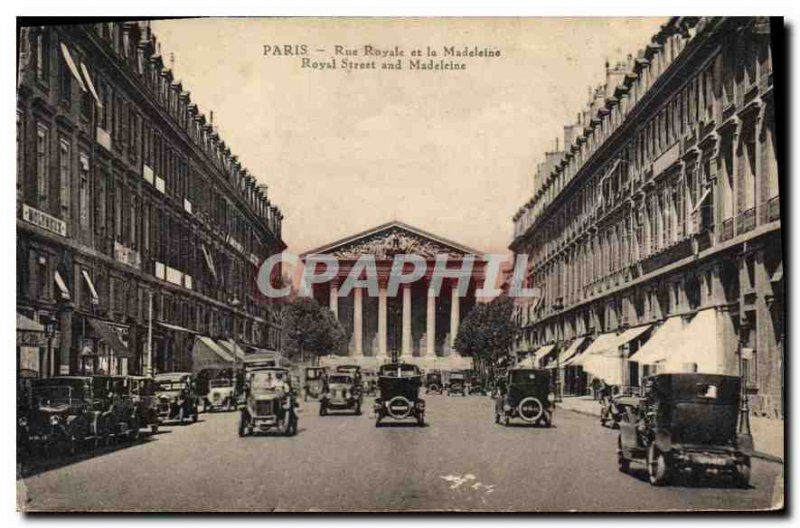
(130, 210)
(654, 237)
(414, 325)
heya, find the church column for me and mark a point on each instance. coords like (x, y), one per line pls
(382, 333)
(406, 350)
(334, 298)
(430, 325)
(358, 330)
(454, 314)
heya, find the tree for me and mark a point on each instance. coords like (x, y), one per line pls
(487, 333)
(309, 330)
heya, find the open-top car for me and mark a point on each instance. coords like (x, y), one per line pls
(340, 393)
(175, 397)
(315, 378)
(270, 403)
(398, 393)
(433, 382)
(222, 394)
(527, 394)
(457, 384)
(685, 423)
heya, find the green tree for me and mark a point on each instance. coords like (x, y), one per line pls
(310, 330)
(487, 333)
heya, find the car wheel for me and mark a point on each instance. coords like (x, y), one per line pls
(506, 420)
(322, 410)
(657, 466)
(358, 410)
(623, 464)
(742, 474)
(194, 416)
(154, 428)
(242, 425)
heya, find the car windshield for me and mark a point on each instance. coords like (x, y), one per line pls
(399, 371)
(220, 382)
(340, 379)
(53, 394)
(169, 385)
(313, 374)
(523, 376)
(267, 380)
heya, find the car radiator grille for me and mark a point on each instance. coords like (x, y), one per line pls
(264, 408)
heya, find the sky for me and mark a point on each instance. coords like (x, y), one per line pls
(450, 152)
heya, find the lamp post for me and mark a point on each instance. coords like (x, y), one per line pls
(234, 303)
(46, 365)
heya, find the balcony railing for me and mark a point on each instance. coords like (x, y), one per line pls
(726, 230)
(746, 221)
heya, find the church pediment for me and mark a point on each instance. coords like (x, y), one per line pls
(384, 242)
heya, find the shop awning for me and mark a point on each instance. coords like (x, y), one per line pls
(176, 328)
(666, 337)
(28, 325)
(701, 345)
(72, 66)
(542, 353)
(604, 343)
(62, 286)
(606, 365)
(107, 334)
(229, 348)
(209, 260)
(91, 85)
(207, 354)
(632, 333)
(777, 275)
(527, 363)
(565, 355)
(92, 291)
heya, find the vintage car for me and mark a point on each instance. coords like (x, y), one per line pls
(124, 423)
(398, 393)
(474, 384)
(355, 371)
(143, 391)
(64, 413)
(369, 381)
(314, 380)
(685, 423)
(176, 400)
(340, 393)
(526, 394)
(433, 382)
(222, 394)
(457, 384)
(270, 403)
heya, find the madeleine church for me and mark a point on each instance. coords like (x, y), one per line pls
(414, 326)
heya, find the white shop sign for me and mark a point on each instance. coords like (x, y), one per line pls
(44, 220)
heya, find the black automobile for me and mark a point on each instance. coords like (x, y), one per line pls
(176, 399)
(685, 424)
(271, 403)
(433, 383)
(398, 393)
(457, 384)
(63, 414)
(143, 391)
(527, 394)
(340, 393)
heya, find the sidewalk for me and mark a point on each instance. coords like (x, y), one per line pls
(767, 434)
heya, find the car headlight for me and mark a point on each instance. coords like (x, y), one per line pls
(551, 397)
(23, 421)
(54, 419)
(506, 407)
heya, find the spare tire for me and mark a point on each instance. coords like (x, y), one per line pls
(530, 409)
(399, 407)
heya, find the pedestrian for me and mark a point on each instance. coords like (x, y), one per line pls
(595, 386)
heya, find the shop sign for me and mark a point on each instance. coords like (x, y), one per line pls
(44, 220)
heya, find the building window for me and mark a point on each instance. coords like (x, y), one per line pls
(64, 174)
(20, 147)
(100, 202)
(42, 56)
(83, 191)
(42, 164)
(64, 81)
(118, 212)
